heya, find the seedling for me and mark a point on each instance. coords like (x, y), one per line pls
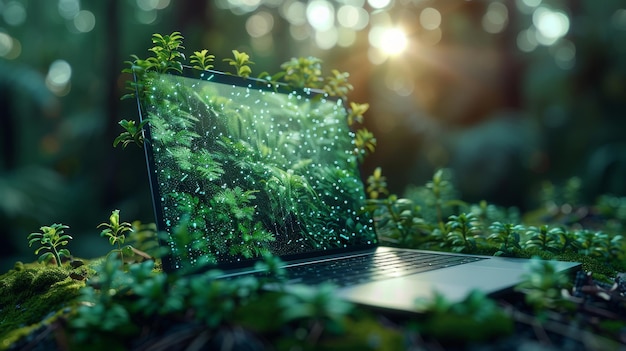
(356, 112)
(544, 238)
(133, 133)
(462, 230)
(337, 84)
(506, 236)
(115, 231)
(50, 239)
(202, 60)
(241, 62)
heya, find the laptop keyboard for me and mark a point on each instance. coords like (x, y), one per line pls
(372, 267)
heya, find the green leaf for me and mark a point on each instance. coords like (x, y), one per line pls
(45, 257)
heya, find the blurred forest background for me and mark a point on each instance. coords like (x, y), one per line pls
(506, 93)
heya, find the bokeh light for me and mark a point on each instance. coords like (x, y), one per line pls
(10, 48)
(495, 18)
(58, 77)
(353, 17)
(85, 21)
(327, 39)
(526, 40)
(551, 25)
(564, 53)
(321, 15)
(68, 9)
(379, 4)
(149, 5)
(430, 18)
(394, 41)
(14, 13)
(260, 24)
(294, 12)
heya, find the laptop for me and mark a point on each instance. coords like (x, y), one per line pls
(241, 167)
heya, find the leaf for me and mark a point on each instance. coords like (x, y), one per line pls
(45, 257)
(64, 253)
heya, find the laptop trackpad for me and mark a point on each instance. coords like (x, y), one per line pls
(454, 283)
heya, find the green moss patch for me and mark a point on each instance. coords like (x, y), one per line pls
(32, 294)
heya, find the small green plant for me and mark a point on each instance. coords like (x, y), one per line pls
(356, 112)
(377, 184)
(101, 310)
(116, 232)
(591, 243)
(303, 72)
(167, 52)
(462, 232)
(364, 142)
(167, 57)
(542, 285)
(133, 133)
(568, 241)
(399, 220)
(337, 84)
(442, 195)
(202, 60)
(51, 239)
(241, 62)
(544, 238)
(506, 236)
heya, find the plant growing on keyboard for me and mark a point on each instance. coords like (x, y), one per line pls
(51, 239)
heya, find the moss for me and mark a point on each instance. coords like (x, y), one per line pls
(32, 294)
(599, 267)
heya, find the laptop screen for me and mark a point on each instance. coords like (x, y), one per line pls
(240, 168)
